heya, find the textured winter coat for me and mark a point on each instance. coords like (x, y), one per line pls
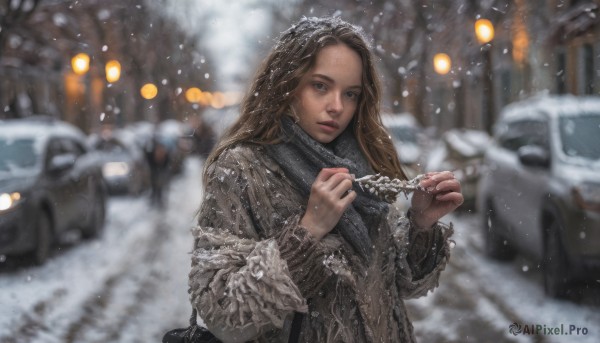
(253, 265)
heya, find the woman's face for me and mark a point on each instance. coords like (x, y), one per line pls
(329, 93)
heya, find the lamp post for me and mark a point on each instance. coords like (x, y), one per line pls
(441, 65)
(484, 31)
(77, 87)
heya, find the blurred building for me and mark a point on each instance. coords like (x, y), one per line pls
(86, 62)
(537, 46)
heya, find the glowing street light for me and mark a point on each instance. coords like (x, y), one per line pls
(484, 31)
(113, 71)
(442, 63)
(80, 63)
(193, 95)
(218, 100)
(149, 91)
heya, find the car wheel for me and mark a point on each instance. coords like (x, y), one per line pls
(556, 266)
(496, 246)
(96, 217)
(43, 229)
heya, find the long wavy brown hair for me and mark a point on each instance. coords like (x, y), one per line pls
(277, 81)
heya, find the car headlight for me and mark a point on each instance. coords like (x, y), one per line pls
(587, 196)
(115, 169)
(9, 200)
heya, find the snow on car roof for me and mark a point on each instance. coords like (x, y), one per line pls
(38, 128)
(401, 119)
(553, 106)
(468, 143)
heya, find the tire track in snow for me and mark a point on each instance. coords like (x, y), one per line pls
(138, 282)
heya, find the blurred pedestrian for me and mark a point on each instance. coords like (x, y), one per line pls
(158, 157)
(287, 247)
(204, 138)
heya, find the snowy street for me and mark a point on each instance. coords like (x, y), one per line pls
(478, 299)
(128, 286)
(131, 285)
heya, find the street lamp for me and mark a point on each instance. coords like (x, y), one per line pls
(193, 95)
(149, 91)
(484, 31)
(80, 63)
(442, 63)
(113, 71)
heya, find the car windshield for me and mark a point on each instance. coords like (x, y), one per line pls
(579, 136)
(111, 147)
(18, 156)
(404, 133)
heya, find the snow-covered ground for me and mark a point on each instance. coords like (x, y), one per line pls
(131, 285)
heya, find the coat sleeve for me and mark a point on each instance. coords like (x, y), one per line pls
(421, 255)
(242, 283)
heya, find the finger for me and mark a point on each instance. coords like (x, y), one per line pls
(427, 180)
(326, 173)
(451, 185)
(431, 183)
(453, 197)
(441, 176)
(347, 200)
(334, 181)
(341, 188)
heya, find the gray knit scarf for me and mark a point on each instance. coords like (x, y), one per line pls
(302, 158)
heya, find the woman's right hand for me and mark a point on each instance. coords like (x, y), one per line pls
(330, 195)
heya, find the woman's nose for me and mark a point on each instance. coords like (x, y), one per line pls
(335, 104)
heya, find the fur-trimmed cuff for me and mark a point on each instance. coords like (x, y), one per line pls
(240, 283)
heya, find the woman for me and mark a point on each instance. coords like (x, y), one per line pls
(283, 231)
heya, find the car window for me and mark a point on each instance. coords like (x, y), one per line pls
(404, 133)
(70, 146)
(579, 136)
(524, 132)
(17, 154)
(54, 149)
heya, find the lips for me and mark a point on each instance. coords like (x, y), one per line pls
(329, 123)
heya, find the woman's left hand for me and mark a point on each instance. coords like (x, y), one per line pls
(442, 195)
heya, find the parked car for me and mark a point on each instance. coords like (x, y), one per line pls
(460, 151)
(49, 184)
(541, 194)
(124, 165)
(408, 140)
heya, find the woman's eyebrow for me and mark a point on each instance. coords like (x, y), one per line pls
(329, 79)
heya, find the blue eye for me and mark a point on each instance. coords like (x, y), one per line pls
(352, 95)
(319, 86)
